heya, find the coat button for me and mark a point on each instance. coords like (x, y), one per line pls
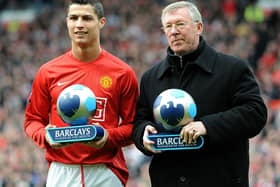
(182, 179)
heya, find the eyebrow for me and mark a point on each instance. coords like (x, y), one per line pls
(79, 15)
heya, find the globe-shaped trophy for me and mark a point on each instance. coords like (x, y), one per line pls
(76, 105)
(172, 109)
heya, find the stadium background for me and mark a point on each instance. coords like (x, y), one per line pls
(34, 31)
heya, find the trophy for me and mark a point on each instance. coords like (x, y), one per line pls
(172, 109)
(76, 105)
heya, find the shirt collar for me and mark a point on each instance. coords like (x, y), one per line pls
(203, 57)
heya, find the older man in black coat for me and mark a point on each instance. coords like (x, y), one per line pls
(230, 107)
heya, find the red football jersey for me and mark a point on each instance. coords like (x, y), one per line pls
(115, 86)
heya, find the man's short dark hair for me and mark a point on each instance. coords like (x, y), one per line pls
(97, 5)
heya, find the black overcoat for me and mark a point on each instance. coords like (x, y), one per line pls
(229, 104)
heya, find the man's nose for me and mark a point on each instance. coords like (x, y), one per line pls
(174, 29)
(80, 22)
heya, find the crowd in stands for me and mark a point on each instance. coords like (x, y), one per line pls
(237, 27)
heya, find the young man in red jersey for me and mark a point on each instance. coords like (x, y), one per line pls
(96, 163)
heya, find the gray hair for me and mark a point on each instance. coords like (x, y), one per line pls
(192, 9)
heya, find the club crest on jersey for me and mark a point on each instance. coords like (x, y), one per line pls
(106, 82)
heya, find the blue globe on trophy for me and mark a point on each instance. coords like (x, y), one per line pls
(76, 104)
(174, 108)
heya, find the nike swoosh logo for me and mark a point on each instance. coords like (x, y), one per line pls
(62, 83)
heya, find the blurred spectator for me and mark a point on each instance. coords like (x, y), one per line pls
(229, 8)
(253, 13)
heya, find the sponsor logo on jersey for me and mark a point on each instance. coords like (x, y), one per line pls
(62, 83)
(100, 109)
(106, 82)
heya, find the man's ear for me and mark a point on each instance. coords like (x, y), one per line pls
(102, 22)
(199, 27)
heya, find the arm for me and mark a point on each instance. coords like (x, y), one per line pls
(143, 121)
(37, 111)
(247, 113)
(121, 136)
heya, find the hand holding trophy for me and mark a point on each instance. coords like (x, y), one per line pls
(172, 109)
(76, 105)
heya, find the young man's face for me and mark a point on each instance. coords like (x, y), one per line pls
(181, 32)
(83, 25)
